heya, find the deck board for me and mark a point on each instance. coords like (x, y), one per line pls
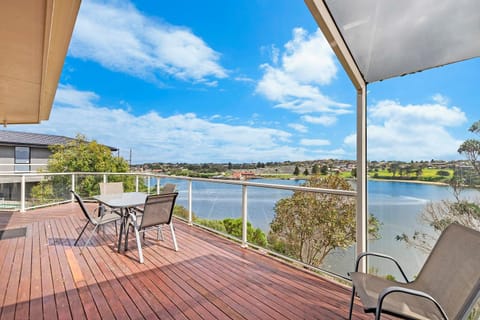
(46, 277)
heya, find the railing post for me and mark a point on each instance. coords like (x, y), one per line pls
(158, 185)
(105, 178)
(190, 218)
(73, 187)
(22, 194)
(136, 183)
(148, 185)
(244, 216)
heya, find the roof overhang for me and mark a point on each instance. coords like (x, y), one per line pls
(380, 39)
(35, 35)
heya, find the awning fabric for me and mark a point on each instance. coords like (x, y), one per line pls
(389, 38)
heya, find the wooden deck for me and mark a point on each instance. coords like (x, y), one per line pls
(44, 276)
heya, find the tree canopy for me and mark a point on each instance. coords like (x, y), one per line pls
(79, 155)
(307, 226)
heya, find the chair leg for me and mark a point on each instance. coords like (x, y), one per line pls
(160, 233)
(126, 236)
(76, 241)
(139, 245)
(173, 236)
(89, 238)
(351, 303)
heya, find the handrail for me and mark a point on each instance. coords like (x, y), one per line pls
(25, 177)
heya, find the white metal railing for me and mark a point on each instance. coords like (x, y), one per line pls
(74, 177)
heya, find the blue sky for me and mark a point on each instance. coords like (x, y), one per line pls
(242, 81)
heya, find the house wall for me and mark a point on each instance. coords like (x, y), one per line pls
(7, 158)
(38, 158)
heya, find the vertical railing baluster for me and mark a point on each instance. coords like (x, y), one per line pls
(22, 194)
(190, 218)
(136, 183)
(148, 184)
(105, 180)
(158, 184)
(72, 187)
(244, 216)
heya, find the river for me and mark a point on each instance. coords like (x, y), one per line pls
(397, 205)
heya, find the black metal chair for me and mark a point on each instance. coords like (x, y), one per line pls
(95, 221)
(157, 211)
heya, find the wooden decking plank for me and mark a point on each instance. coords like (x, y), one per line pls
(156, 298)
(86, 298)
(212, 277)
(13, 280)
(36, 305)
(61, 300)
(205, 308)
(7, 253)
(48, 293)
(279, 282)
(22, 309)
(114, 291)
(219, 272)
(139, 297)
(90, 290)
(63, 252)
(232, 274)
(222, 292)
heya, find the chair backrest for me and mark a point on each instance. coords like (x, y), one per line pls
(111, 187)
(169, 188)
(158, 209)
(451, 273)
(82, 206)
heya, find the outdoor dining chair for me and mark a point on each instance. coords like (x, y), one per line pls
(157, 211)
(109, 188)
(95, 221)
(447, 286)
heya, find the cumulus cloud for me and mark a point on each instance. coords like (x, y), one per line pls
(117, 36)
(298, 127)
(314, 142)
(324, 120)
(173, 138)
(411, 132)
(292, 80)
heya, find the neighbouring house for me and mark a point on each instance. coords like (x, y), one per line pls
(24, 152)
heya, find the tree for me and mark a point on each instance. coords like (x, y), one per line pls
(439, 215)
(307, 226)
(305, 172)
(315, 169)
(324, 170)
(296, 172)
(79, 155)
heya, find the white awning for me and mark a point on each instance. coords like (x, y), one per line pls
(389, 38)
(34, 37)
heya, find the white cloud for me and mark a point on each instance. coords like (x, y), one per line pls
(411, 132)
(174, 138)
(440, 99)
(298, 127)
(117, 36)
(314, 142)
(293, 83)
(324, 120)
